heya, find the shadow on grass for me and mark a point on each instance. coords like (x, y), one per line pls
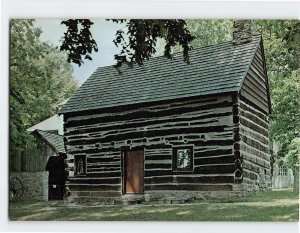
(270, 206)
(205, 212)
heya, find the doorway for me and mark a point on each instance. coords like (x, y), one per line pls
(134, 172)
(57, 177)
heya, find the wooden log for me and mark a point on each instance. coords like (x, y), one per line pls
(254, 127)
(255, 159)
(188, 187)
(104, 174)
(246, 105)
(251, 166)
(94, 187)
(189, 179)
(146, 114)
(251, 150)
(215, 160)
(212, 152)
(103, 169)
(102, 159)
(153, 133)
(252, 118)
(89, 180)
(158, 166)
(157, 156)
(215, 169)
(255, 144)
(254, 134)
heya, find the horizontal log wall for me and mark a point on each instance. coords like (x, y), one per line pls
(254, 147)
(207, 124)
(253, 112)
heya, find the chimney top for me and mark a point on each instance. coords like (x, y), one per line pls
(242, 32)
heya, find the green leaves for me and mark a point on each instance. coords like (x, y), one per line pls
(293, 155)
(40, 78)
(285, 119)
(137, 43)
(78, 41)
(283, 64)
(209, 32)
(177, 32)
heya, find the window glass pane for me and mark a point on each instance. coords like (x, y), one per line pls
(183, 158)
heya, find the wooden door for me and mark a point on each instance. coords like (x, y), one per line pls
(134, 172)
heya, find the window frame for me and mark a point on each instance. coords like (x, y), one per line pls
(84, 165)
(175, 158)
(283, 170)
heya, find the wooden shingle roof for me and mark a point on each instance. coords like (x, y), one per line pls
(54, 140)
(214, 69)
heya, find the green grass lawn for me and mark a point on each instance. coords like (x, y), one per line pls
(268, 206)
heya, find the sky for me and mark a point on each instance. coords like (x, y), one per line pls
(103, 32)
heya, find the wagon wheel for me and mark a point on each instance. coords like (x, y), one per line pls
(16, 189)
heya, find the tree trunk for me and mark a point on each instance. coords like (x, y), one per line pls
(296, 179)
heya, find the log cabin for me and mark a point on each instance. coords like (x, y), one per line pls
(170, 128)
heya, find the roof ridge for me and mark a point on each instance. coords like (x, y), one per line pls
(180, 52)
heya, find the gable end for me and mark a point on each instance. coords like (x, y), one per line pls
(255, 87)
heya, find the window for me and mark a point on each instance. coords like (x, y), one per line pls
(80, 165)
(282, 170)
(183, 158)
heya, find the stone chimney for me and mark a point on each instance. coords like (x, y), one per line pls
(242, 32)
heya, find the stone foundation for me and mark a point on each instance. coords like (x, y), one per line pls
(263, 183)
(165, 197)
(35, 184)
(155, 197)
(194, 195)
